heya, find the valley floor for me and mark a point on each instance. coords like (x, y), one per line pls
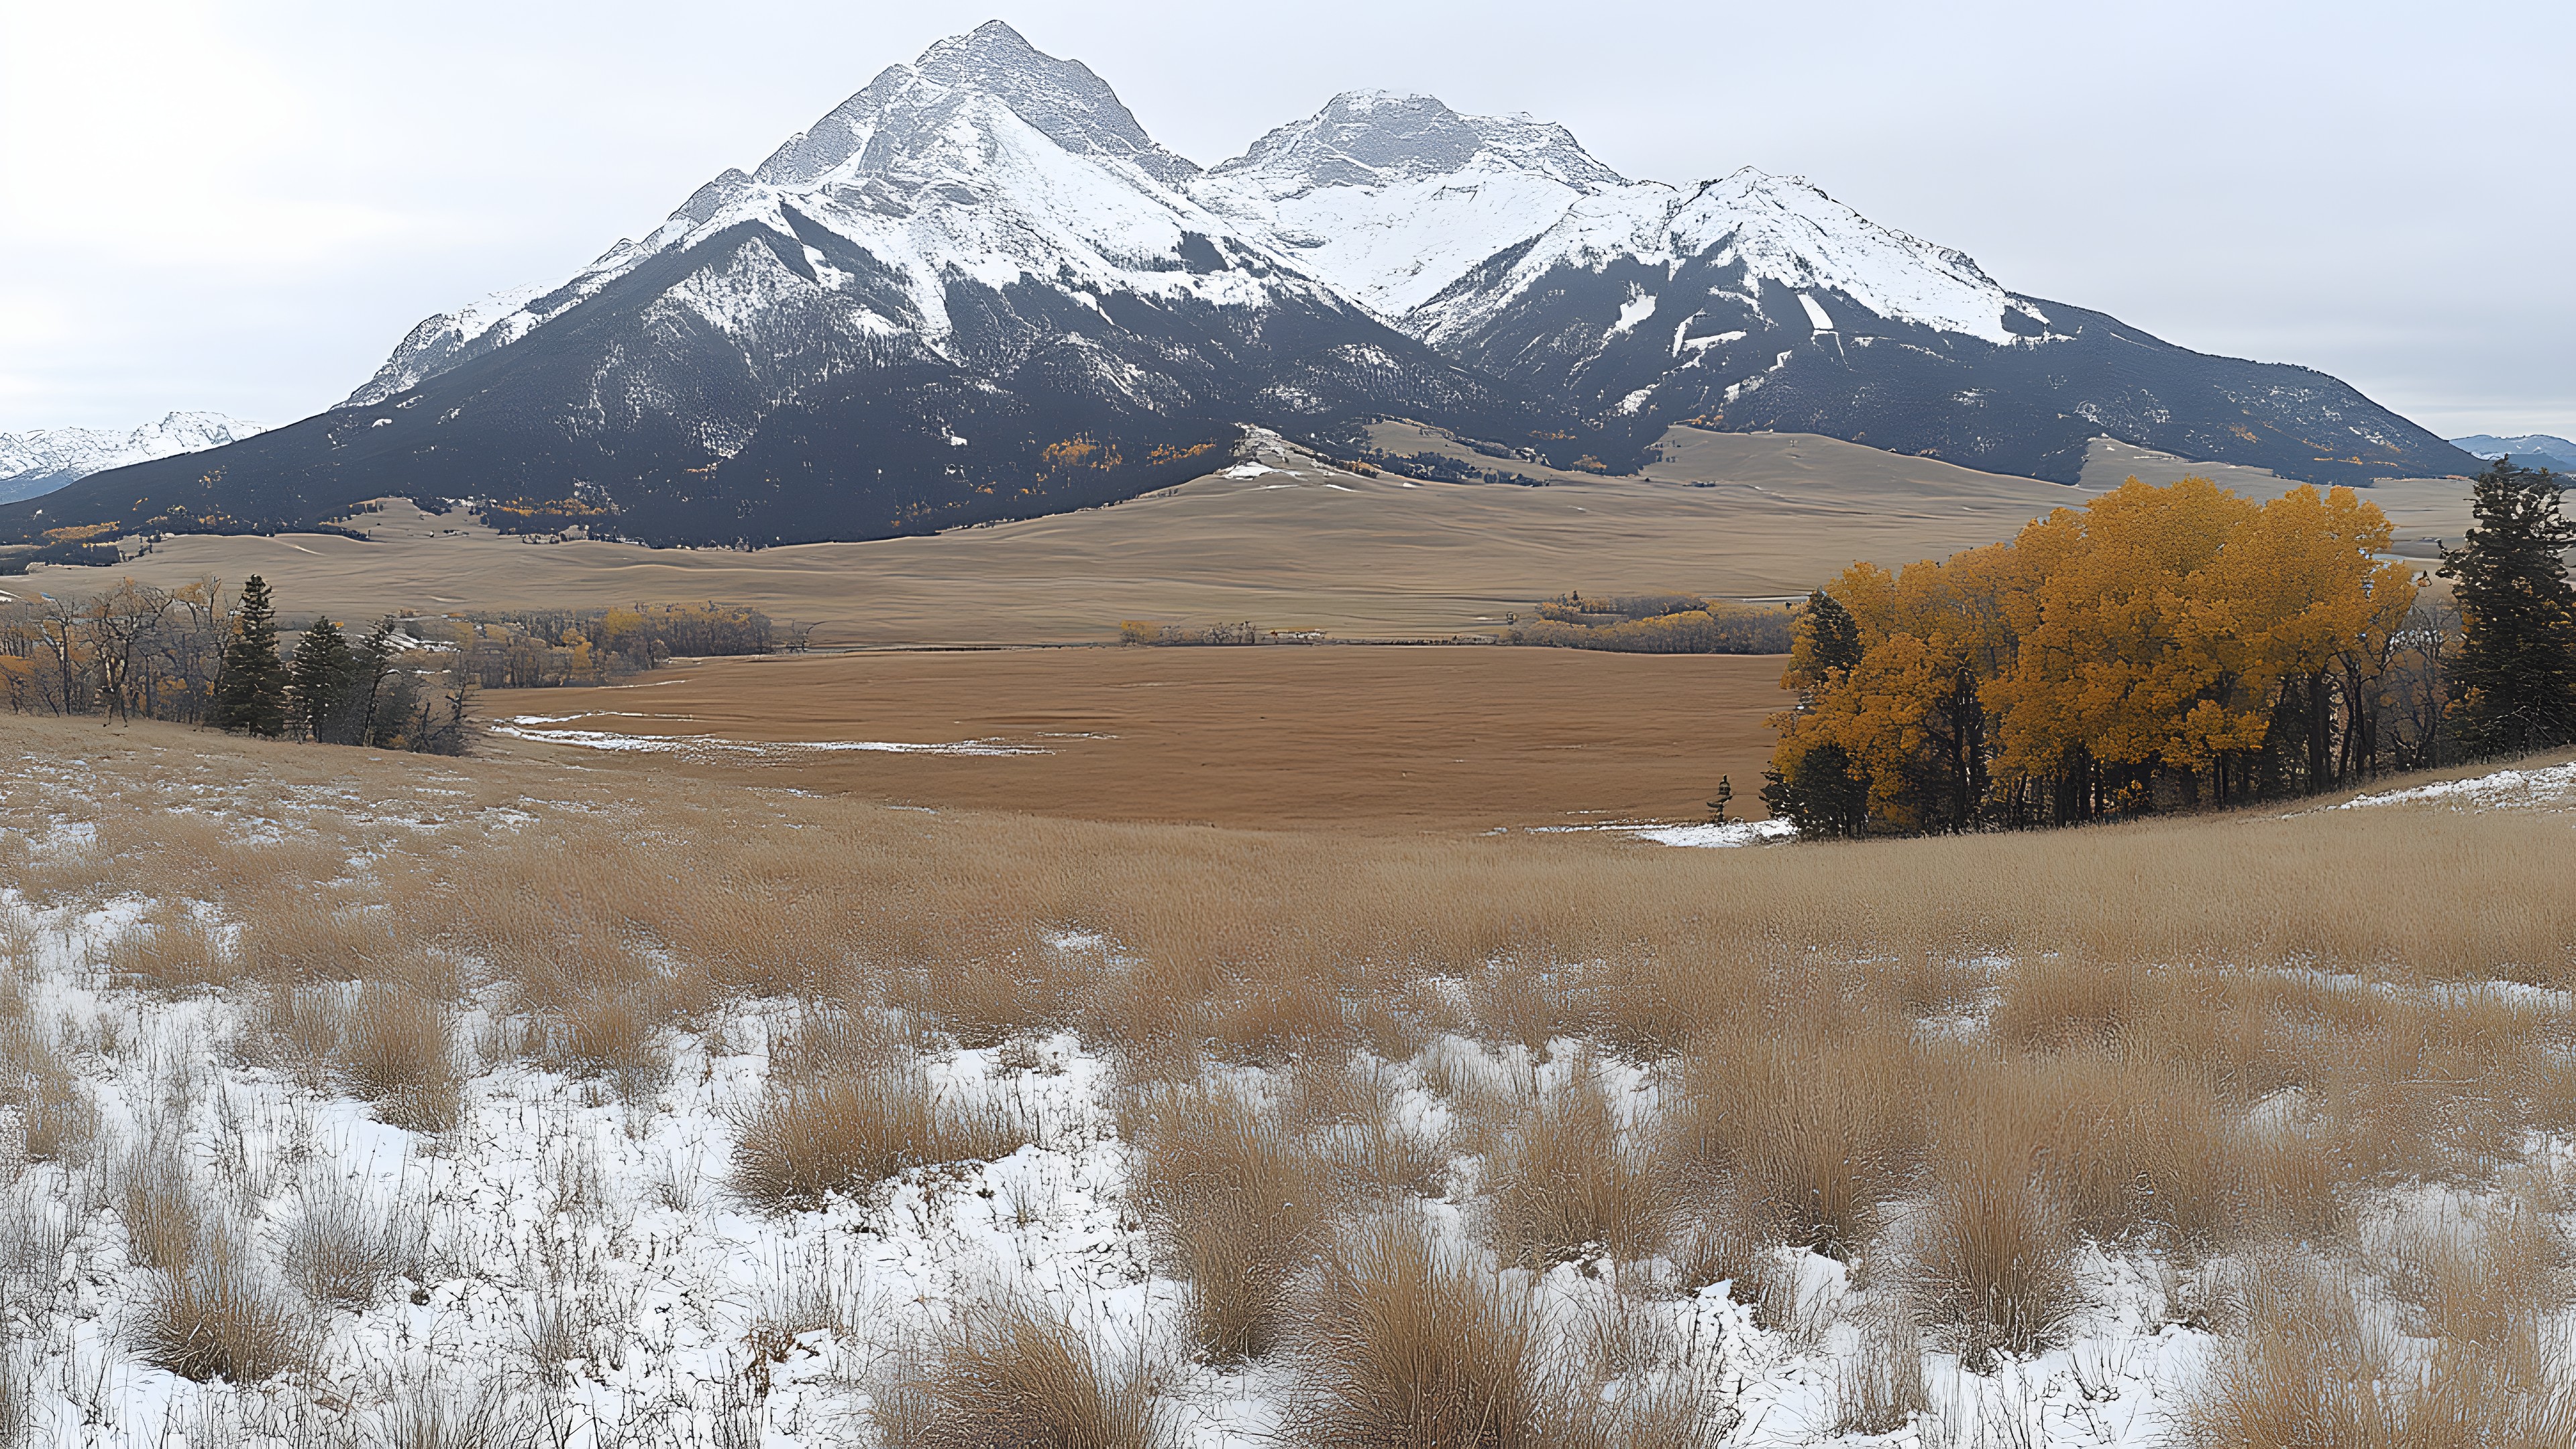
(503, 1101)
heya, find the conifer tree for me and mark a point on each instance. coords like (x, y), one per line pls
(318, 681)
(363, 695)
(2516, 669)
(251, 697)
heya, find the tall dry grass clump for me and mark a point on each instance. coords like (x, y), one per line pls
(1402, 1343)
(1817, 1129)
(397, 1048)
(1993, 1259)
(45, 1105)
(217, 1315)
(1240, 1203)
(1569, 1179)
(1008, 1374)
(174, 949)
(2312, 1366)
(345, 1251)
(842, 1130)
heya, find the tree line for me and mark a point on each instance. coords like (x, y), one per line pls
(142, 652)
(2165, 647)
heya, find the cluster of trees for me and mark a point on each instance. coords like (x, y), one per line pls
(141, 652)
(2166, 646)
(1654, 624)
(1146, 631)
(538, 648)
(330, 690)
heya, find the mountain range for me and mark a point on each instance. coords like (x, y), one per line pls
(978, 289)
(38, 462)
(2531, 450)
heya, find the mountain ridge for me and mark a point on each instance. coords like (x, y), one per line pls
(41, 460)
(977, 288)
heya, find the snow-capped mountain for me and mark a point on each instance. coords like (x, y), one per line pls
(975, 289)
(1393, 198)
(38, 462)
(978, 289)
(2531, 450)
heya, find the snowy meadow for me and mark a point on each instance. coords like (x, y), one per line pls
(350, 1098)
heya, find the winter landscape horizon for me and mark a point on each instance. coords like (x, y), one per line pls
(997, 789)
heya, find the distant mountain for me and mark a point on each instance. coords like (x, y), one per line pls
(2531, 450)
(978, 289)
(1755, 302)
(38, 462)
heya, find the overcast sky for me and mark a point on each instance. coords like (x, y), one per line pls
(243, 206)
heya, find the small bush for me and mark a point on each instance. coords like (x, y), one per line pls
(1403, 1345)
(1240, 1205)
(809, 1137)
(217, 1317)
(1008, 1375)
(397, 1049)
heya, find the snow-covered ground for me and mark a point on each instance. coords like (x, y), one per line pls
(580, 1255)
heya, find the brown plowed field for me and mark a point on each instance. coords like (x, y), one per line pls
(1382, 738)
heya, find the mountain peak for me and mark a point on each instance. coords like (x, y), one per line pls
(1373, 138)
(1062, 99)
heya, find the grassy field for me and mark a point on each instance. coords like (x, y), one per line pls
(1356, 739)
(363, 1096)
(1299, 546)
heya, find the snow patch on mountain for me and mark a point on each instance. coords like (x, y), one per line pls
(986, 161)
(41, 460)
(1392, 198)
(1781, 230)
(2530, 450)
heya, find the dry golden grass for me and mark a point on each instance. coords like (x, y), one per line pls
(1007, 1374)
(842, 1130)
(1818, 1130)
(1570, 1180)
(2309, 1368)
(1403, 1345)
(216, 1316)
(1240, 1202)
(397, 1049)
(1993, 1259)
(2203, 1037)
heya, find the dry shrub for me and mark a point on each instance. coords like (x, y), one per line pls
(216, 1316)
(1404, 1345)
(1240, 1203)
(1817, 1129)
(172, 949)
(2310, 1368)
(1879, 1389)
(617, 1036)
(44, 1103)
(1571, 1181)
(1008, 1374)
(2136, 1147)
(430, 1412)
(161, 1204)
(812, 1135)
(1993, 1260)
(397, 1049)
(344, 1251)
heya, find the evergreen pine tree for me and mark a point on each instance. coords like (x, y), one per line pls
(362, 697)
(317, 681)
(251, 696)
(2515, 674)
